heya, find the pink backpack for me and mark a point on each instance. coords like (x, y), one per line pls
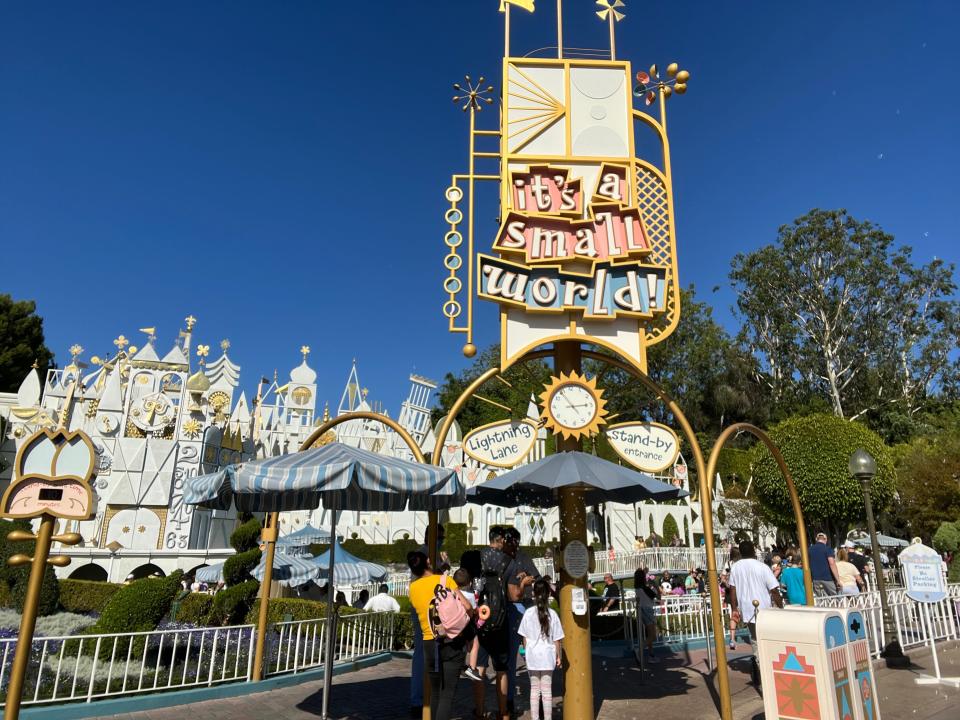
(447, 615)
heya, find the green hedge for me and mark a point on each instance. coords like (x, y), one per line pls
(195, 609)
(237, 568)
(230, 606)
(15, 578)
(396, 552)
(297, 608)
(247, 536)
(84, 596)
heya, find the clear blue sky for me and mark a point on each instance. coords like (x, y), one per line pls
(160, 159)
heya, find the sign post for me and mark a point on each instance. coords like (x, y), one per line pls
(923, 577)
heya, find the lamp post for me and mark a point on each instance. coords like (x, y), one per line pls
(864, 468)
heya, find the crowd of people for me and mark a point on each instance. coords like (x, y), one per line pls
(492, 610)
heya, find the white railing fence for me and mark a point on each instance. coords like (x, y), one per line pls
(678, 619)
(89, 667)
(655, 559)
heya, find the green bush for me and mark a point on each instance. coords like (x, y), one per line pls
(195, 609)
(947, 539)
(296, 608)
(84, 596)
(15, 579)
(237, 568)
(670, 529)
(247, 536)
(139, 606)
(230, 606)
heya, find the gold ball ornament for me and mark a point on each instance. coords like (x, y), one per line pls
(668, 91)
(469, 350)
(672, 69)
(683, 76)
(680, 88)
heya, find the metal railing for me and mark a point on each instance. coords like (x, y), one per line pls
(83, 668)
(655, 559)
(908, 622)
(678, 619)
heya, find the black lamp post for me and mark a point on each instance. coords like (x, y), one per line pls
(864, 468)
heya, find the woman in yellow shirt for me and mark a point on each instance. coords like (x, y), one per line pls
(443, 659)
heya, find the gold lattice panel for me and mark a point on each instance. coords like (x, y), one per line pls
(655, 209)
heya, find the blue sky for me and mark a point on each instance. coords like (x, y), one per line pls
(163, 159)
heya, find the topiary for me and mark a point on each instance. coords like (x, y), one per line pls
(230, 606)
(84, 596)
(246, 536)
(15, 579)
(670, 528)
(195, 609)
(817, 450)
(139, 606)
(237, 568)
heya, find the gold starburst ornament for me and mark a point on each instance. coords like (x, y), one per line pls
(573, 406)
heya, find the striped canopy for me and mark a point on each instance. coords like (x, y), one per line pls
(293, 570)
(339, 476)
(307, 535)
(210, 573)
(349, 569)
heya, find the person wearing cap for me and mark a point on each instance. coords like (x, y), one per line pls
(823, 567)
(856, 557)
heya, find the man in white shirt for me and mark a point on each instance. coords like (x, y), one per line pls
(752, 581)
(382, 602)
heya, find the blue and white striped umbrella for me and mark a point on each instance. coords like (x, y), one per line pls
(210, 573)
(339, 476)
(293, 570)
(307, 535)
(349, 569)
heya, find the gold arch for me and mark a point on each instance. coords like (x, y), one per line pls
(791, 488)
(719, 636)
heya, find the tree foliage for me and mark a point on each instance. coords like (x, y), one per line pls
(21, 342)
(817, 450)
(928, 482)
(833, 310)
(16, 578)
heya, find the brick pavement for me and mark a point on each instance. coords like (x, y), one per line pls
(677, 688)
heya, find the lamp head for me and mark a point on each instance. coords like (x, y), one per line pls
(862, 465)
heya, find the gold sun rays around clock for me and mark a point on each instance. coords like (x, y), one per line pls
(533, 108)
(573, 406)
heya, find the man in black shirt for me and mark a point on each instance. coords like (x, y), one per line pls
(856, 557)
(495, 565)
(611, 594)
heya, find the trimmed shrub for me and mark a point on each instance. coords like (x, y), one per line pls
(16, 578)
(237, 568)
(139, 606)
(194, 609)
(85, 596)
(231, 605)
(247, 536)
(297, 608)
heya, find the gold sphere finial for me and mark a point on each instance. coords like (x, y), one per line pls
(469, 350)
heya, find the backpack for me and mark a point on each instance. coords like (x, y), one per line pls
(447, 615)
(494, 596)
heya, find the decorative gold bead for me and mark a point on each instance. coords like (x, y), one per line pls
(683, 76)
(672, 69)
(680, 88)
(469, 350)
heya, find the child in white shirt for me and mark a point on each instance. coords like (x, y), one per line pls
(541, 632)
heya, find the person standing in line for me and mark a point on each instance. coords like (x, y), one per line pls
(857, 558)
(416, 670)
(611, 594)
(734, 557)
(382, 601)
(823, 567)
(792, 580)
(521, 574)
(752, 581)
(443, 658)
(850, 581)
(542, 632)
(646, 600)
(494, 635)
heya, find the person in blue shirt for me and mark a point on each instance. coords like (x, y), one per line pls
(792, 580)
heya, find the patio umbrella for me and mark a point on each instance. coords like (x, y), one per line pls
(338, 476)
(290, 570)
(882, 541)
(307, 535)
(348, 569)
(537, 483)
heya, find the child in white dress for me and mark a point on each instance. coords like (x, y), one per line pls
(541, 632)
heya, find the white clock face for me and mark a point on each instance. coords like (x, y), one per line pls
(573, 406)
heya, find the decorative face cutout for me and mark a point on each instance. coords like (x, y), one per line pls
(52, 475)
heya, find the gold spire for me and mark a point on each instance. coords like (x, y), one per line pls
(121, 342)
(36, 364)
(202, 352)
(326, 411)
(74, 351)
(224, 345)
(151, 333)
(304, 350)
(190, 320)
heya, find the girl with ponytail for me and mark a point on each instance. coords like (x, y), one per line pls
(541, 632)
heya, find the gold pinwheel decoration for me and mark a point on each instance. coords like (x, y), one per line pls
(610, 8)
(473, 94)
(75, 350)
(202, 352)
(648, 83)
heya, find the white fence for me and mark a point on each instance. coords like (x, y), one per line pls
(655, 559)
(91, 667)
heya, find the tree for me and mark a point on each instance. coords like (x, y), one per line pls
(16, 578)
(817, 450)
(928, 482)
(833, 307)
(947, 540)
(21, 342)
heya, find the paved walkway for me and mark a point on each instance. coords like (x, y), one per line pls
(679, 687)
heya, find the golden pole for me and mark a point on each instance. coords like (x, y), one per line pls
(560, 29)
(506, 30)
(29, 621)
(268, 536)
(578, 670)
(791, 488)
(470, 182)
